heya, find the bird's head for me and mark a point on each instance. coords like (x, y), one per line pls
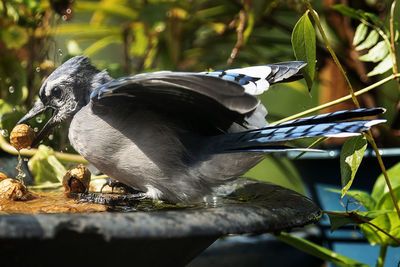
(65, 92)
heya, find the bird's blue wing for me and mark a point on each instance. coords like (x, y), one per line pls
(256, 80)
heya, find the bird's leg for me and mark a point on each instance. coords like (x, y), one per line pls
(114, 183)
(120, 200)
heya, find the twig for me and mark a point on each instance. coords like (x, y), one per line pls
(333, 54)
(358, 219)
(4, 145)
(239, 41)
(392, 37)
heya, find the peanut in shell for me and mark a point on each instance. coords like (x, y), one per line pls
(77, 180)
(22, 136)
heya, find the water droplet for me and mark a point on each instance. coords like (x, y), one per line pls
(51, 137)
(36, 129)
(11, 89)
(4, 132)
(68, 11)
(64, 17)
(39, 119)
(60, 52)
(37, 69)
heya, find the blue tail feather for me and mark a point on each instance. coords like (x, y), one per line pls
(272, 138)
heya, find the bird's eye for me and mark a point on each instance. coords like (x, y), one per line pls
(56, 92)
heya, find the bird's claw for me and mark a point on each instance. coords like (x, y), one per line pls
(114, 183)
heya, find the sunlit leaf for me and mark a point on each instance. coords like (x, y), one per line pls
(360, 34)
(370, 41)
(304, 47)
(121, 11)
(45, 166)
(339, 219)
(86, 30)
(385, 65)
(388, 222)
(380, 187)
(100, 44)
(350, 159)
(386, 201)
(376, 53)
(140, 40)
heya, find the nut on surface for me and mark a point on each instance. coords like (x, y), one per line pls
(22, 136)
(77, 180)
(13, 190)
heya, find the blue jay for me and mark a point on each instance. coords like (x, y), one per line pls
(175, 135)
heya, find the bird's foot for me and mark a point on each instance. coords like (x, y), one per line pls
(116, 184)
(129, 199)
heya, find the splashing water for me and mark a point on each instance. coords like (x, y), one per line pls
(21, 174)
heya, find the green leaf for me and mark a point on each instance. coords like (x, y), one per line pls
(360, 34)
(348, 11)
(388, 222)
(45, 167)
(86, 30)
(386, 201)
(385, 65)
(380, 188)
(337, 221)
(121, 11)
(376, 53)
(304, 47)
(370, 41)
(350, 159)
(317, 251)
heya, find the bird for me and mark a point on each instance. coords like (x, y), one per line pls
(174, 136)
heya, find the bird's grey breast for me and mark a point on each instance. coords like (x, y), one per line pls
(134, 145)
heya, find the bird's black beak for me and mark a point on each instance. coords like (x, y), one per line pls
(37, 109)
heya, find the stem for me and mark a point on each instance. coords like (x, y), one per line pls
(382, 256)
(392, 41)
(339, 100)
(369, 134)
(66, 157)
(240, 33)
(334, 57)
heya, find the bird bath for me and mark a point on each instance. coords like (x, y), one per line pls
(163, 236)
